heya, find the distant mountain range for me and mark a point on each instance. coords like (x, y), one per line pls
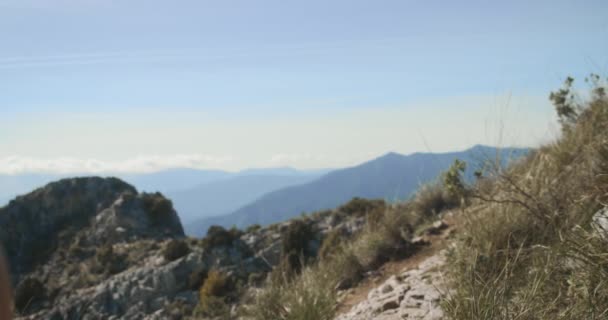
(225, 196)
(391, 177)
(206, 197)
(171, 181)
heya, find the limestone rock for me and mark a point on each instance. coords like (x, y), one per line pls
(414, 294)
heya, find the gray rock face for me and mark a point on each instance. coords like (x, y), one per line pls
(128, 219)
(32, 224)
(133, 294)
(412, 294)
(600, 222)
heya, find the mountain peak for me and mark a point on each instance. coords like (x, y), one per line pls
(390, 155)
(92, 211)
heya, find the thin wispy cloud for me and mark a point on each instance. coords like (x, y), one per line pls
(179, 54)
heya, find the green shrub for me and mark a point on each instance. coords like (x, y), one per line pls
(432, 199)
(295, 245)
(175, 249)
(27, 292)
(158, 208)
(360, 207)
(253, 228)
(218, 236)
(453, 180)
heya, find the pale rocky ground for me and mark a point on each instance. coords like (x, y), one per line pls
(410, 294)
(414, 289)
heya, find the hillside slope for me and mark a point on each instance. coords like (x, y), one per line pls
(535, 238)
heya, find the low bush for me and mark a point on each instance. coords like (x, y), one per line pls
(432, 199)
(218, 236)
(295, 245)
(212, 296)
(175, 249)
(109, 262)
(157, 207)
(360, 207)
(253, 228)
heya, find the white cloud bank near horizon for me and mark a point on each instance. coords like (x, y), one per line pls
(142, 141)
(14, 165)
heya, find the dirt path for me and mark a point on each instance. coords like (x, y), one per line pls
(407, 288)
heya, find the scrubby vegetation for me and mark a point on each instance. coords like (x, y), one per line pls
(332, 244)
(295, 248)
(528, 246)
(175, 249)
(108, 261)
(313, 293)
(213, 294)
(359, 206)
(218, 236)
(158, 207)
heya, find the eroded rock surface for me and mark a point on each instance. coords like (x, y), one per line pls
(411, 294)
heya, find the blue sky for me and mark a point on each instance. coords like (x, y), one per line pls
(236, 84)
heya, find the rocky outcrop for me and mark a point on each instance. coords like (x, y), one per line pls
(31, 226)
(76, 233)
(103, 251)
(412, 294)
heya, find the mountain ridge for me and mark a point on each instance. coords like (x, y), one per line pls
(391, 177)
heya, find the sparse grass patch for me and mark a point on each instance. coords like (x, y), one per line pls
(332, 243)
(108, 261)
